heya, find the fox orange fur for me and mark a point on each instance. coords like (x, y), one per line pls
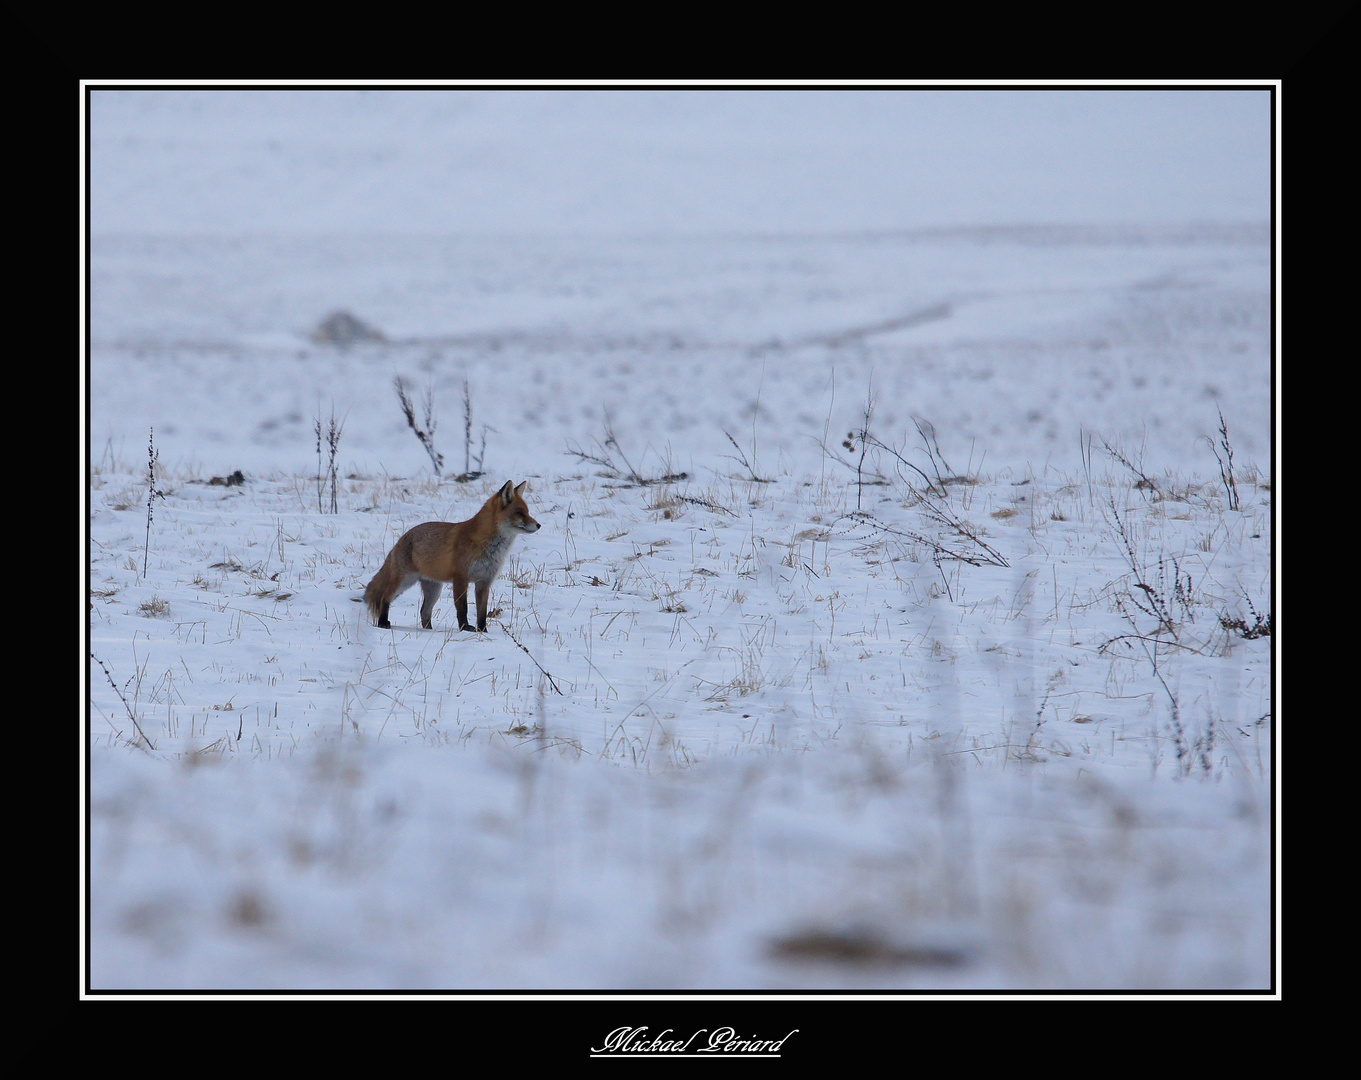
(436, 552)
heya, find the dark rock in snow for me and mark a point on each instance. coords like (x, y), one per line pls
(342, 328)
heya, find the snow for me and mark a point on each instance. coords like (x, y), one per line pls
(734, 731)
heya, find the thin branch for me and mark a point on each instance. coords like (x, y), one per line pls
(604, 457)
(131, 715)
(511, 634)
(894, 453)
(472, 467)
(425, 434)
(986, 555)
(332, 431)
(1225, 461)
(153, 493)
(612, 440)
(927, 431)
(1145, 482)
(742, 459)
(864, 445)
(707, 504)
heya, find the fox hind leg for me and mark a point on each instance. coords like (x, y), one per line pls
(430, 591)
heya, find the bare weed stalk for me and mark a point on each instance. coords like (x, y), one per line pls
(927, 431)
(520, 645)
(1134, 465)
(708, 504)
(1205, 745)
(609, 455)
(750, 466)
(1156, 600)
(1084, 442)
(742, 460)
(1249, 631)
(865, 440)
(1224, 456)
(864, 446)
(966, 547)
(153, 493)
(898, 456)
(469, 472)
(141, 735)
(328, 472)
(1178, 728)
(424, 434)
(964, 543)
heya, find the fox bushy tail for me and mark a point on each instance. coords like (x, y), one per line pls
(380, 590)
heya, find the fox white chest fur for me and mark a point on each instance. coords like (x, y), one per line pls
(487, 566)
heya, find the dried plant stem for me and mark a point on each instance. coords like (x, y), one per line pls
(425, 434)
(467, 427)
(153, 455)
(874, 440)
(1226, 462)
(131, 715)
(520, 645)
(472, 466)
(332, 433)
(604, 457)
(1145, 482)
(982, 554)
(927, 431)
(742, 459)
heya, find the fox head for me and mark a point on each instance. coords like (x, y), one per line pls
(513, 510)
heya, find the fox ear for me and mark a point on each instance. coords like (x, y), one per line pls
(520, 490)
(507, 493)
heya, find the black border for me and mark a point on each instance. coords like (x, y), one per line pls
(1308, 57)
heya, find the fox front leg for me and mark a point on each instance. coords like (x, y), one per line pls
(483, 591)
(461, 604)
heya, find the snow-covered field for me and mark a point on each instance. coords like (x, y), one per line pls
(931, 655)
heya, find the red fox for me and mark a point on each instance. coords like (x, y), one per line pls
(440, 551)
